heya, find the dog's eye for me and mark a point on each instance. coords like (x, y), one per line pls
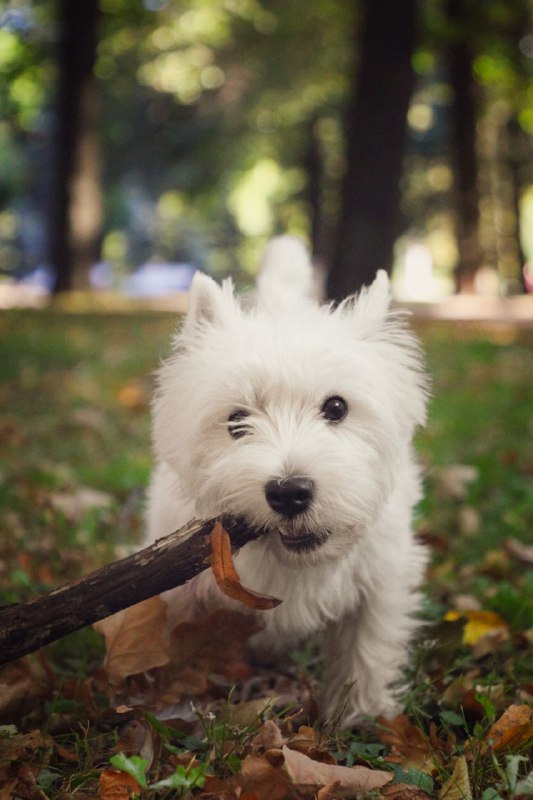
(237, 426)
(334, 409)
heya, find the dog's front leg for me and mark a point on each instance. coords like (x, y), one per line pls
(364, 654)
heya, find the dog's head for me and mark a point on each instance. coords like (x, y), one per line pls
(298, 421)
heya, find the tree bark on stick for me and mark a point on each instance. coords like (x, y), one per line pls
(170, 562)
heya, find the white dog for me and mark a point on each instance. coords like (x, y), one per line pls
(299, 418)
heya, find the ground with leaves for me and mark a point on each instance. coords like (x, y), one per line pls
(75, 456)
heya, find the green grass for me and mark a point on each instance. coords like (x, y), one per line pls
(74, 415)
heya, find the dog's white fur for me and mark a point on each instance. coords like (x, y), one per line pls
(278, 361)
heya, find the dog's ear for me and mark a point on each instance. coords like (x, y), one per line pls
(370, 308)
(208, 303)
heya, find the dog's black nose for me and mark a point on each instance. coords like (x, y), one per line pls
(290, 496)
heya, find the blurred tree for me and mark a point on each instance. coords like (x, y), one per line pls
(27, 74)
(221, 124)
(376, 137)
(218, 116)
(75, 222)
(503, 70)
(463, 140)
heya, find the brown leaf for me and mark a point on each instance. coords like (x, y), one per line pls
(26, 787)
(516, 548)
(328, 792)
(137, 738)
(23, 683)
(117, 785)
(409, 745)
(76, 503)
(247, 713)
(403, 791)
(226, 575)
(453, 481)
(7, 790)
(259, 779)
(214, 646)
(454, 694)
(135, 639)
(513, 728)
(221, 789)
(132, 396)
(21, 746)
(268, 737)
(307, 741)
(303, 770)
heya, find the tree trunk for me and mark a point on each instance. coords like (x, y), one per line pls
(519, 149)
(376, 135)
(76, 208)
(313, 168)
(463, 147)
(169, 562)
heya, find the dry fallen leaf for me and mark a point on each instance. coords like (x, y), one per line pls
(132, 395)
(21, 746)
(479, 624)
(404, 791)
(516, 548)
(303, 770)
(23, 683)
(409, 745)
(453, 481)
(454, 694)
(513, 728)
(199, 650)
(117, 785)
(268, 737)
(247, 713)
(137, 737)
(226, 575)
(307, 741)
(7, 790)
(260, 780)
(328, 792)
(135, 639)
(76, 503)
(457, 787)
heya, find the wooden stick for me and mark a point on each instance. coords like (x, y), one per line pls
(170, 562)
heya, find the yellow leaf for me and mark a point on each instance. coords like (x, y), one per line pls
(479, 624)
(457, 787)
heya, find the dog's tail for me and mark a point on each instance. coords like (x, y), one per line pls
(286, 277)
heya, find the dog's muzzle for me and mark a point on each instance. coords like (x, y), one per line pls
(301, 542)
(290, 497)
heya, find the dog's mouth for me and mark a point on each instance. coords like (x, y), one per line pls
(301, 541)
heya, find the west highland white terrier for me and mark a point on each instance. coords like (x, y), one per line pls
(299, 418)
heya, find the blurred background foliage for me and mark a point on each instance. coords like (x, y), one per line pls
(137, 132)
